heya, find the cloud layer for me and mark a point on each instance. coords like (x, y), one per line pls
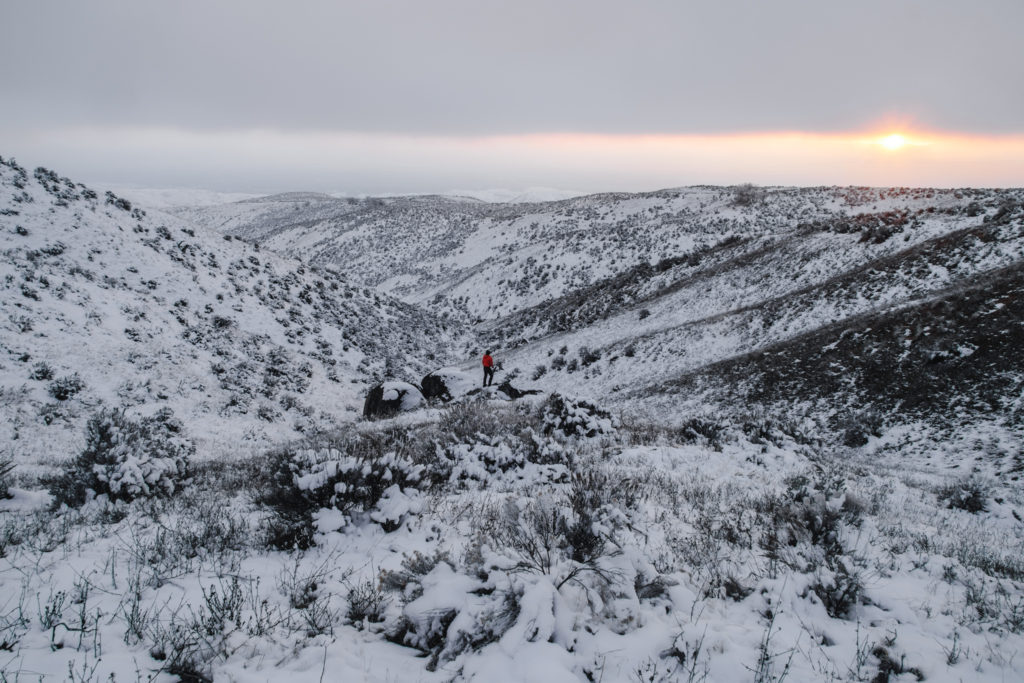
(462, 71)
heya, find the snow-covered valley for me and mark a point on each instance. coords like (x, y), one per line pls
(778, 434)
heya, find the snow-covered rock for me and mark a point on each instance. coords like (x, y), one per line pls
(448, 384)
(391, 397)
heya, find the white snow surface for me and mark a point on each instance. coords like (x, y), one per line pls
(176, 197)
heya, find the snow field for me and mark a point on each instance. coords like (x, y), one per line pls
(632, 555)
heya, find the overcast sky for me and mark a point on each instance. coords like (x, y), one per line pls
(257, 95)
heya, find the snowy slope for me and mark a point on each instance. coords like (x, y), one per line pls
(482, 259)
(744, 295)
(491, 260)
(145, 311)
(611, 296)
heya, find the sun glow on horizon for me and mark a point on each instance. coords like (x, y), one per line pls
(878, 156)
(894, 141)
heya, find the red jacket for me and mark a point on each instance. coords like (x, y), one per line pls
(488, 361)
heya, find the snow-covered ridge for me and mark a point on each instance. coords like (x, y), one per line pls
(489, 260)
(174, 197)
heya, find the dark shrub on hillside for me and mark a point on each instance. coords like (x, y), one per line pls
(589, 356)
(6, 468)
(859, 428)
(41, 371)
(747, 194)
(64, 388)
(126, 459)
(696, 429)
(969, 494)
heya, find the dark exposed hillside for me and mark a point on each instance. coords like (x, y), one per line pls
(950, 359)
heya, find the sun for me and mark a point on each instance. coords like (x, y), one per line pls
(894, 141)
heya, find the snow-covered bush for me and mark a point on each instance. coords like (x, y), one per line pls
(839, 588)
(467, 422)
(327, 485)
(126, 459)
(576, 418)
(526, 557)
(41, 371)
(806, 525)
(478, 441)
(447, 619)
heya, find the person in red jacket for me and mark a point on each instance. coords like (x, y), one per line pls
(488, 368)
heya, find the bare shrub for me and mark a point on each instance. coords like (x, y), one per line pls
(366, 603)
(747, 194)
(970, 494)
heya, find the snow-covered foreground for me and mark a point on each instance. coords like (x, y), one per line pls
(499, 542)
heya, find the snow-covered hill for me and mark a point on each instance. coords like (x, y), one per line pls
(175, 197)
(104, 305)
(746, 294)
(491, 260)
(611, 296)
(486, 260)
